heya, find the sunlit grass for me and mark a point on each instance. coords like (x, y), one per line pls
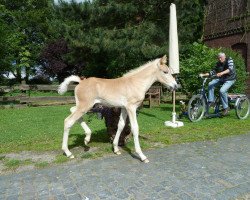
(41, 129)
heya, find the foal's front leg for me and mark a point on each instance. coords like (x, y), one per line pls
(121, 124)
(135, 130)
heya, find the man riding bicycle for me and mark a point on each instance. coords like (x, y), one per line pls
(225, 74)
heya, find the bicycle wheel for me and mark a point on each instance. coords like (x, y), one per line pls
(242, 107)
(196, 108)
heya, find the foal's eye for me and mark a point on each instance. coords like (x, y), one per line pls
(165, 72)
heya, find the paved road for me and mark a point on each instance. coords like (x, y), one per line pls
(202, 170)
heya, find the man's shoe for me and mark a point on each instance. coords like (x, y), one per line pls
(225, 112)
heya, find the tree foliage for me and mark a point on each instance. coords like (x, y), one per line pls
(25, 22)
(55, 62)
(103, 38)
(112, 37)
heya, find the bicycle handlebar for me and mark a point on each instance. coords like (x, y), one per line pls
(201, 76)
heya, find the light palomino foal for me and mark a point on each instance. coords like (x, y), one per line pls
(126, 92)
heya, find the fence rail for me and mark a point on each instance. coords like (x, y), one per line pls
(25, 87)
(154, 94)
(26, 99)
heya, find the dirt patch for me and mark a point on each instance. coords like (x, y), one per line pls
(29, 160)
(25, 160)
(33, 156)
(24, 168)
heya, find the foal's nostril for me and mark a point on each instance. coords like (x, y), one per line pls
(176, 86)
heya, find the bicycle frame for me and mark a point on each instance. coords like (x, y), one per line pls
(203, 93)
(198, 105)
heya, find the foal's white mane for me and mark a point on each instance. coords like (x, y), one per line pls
(138, 69)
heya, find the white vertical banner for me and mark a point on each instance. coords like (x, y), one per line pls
(173, 59)
(173, 41)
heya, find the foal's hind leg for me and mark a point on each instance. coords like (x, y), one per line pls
(84, 126)
(68, 123)
(86, 130)
(121, 125)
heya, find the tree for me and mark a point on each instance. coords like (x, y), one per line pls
(112, 37)
(55, 62)
(26, 22)
(4, 47)
(109, 37)
(105, 37)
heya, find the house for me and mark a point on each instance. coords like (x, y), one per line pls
(227, 24)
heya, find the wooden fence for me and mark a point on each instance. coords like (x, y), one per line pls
(25, 87)
(153, 96)
(25, 99)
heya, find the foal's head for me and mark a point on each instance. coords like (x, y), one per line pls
(164, 75)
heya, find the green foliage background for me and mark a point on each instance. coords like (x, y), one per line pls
(113, 36)
(25, 27)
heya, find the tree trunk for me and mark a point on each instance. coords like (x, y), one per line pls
(18, 76)
(27, 74)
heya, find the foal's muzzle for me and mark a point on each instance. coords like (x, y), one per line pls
(174, 86)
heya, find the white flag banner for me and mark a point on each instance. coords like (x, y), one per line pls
(173, 41)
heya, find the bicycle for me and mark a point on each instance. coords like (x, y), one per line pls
(198, 106)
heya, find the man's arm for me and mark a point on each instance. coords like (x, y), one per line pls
(227, 71)
(211, 73)
(203, 75)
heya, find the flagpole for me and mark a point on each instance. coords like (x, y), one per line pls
(174, 113)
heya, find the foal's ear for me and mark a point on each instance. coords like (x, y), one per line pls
(163, 60)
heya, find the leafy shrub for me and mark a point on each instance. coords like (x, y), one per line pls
(198, 58)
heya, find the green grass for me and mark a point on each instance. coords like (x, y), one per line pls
(14, 163)
(41, 129)
(2, 158)
(206, 129)
(91, 155)
(42, 164)
(61, 159)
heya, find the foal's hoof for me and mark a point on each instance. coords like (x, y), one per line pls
(145, 161)
(86, 142)
(118, 153)
(71, 156)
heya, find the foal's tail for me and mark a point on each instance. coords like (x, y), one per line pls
(63, 87)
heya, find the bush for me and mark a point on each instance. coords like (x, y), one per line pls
(198, 58)
(7, 81)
